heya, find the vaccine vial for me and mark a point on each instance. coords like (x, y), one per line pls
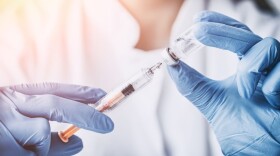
(185, 44)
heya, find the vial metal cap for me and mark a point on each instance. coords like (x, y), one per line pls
(169, 57)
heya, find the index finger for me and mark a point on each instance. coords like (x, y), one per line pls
(215, 17)
(225, 37)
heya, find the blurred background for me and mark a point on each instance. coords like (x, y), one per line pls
(102, 43)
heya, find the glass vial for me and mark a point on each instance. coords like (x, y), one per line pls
(185, 44)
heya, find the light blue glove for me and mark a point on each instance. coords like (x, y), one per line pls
(242, 110)
(26, 109)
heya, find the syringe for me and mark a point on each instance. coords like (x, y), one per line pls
(116, 96)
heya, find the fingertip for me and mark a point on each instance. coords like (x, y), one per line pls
(109, 124)
(100, 92)
(203, 16)
(174, 69)
(102, 123)
(174, 66)
(90, 95)
(202, 32)
(95, 94)
(186, 78)
(199, 16)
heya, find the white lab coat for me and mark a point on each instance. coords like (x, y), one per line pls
(91, 42)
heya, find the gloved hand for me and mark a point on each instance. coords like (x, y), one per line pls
(243, 110)
(26, 109)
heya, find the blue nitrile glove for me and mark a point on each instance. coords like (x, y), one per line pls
(243, 109)
(26, 110)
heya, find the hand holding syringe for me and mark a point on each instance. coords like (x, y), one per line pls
(116, 96)
(183, 45)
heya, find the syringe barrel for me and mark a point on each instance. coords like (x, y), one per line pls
(123, 91)
(185, 44)
(141, 78)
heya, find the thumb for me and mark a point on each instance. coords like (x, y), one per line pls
(59, 148)
(197, 88)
